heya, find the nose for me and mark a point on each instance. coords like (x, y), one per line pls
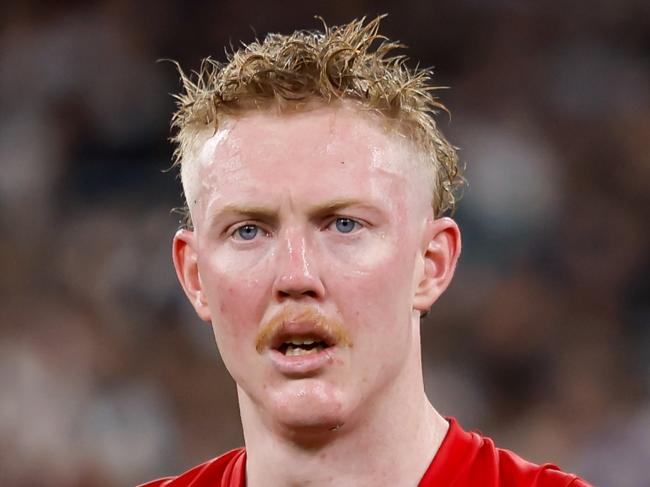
(297, 275)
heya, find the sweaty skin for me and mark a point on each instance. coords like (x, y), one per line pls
(325, 210)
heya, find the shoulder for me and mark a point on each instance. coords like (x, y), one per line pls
(470, 459)
(227, 469)
(514, 471)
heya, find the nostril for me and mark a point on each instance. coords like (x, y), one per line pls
(306, 293)
(298, 285)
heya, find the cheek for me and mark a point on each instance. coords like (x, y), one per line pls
(376, 309)
(374, 290)
(377, 269)
(235, 295)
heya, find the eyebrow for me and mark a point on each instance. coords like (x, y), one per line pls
(336, 205)
(252, 212)
(270, 214)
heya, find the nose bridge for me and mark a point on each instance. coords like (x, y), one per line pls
(295, 250)
(297, 272)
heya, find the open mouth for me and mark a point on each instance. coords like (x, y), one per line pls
(301, 346)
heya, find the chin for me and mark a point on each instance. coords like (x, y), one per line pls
(309, 408)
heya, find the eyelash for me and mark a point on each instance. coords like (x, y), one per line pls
(357, 224)
(233, 233)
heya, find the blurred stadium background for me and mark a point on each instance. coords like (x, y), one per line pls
(543, 342)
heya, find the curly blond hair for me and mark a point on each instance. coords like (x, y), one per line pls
(339, 63)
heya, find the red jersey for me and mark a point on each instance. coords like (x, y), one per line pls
(464, 459)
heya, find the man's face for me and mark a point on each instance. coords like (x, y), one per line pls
(309, 240)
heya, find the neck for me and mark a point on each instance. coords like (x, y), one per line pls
(393, 444)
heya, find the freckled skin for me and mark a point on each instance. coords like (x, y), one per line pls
(370, 279)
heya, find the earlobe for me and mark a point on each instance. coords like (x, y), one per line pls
(187, 270)
(440, 252)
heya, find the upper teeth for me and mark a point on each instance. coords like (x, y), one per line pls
(301, 341)
(291, 350)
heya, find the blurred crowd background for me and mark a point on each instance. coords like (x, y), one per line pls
(543, 341)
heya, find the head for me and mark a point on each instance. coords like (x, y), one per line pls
(290, 72)
(316, 183)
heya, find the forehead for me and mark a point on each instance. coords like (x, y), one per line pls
(328, 149)
(324, 130)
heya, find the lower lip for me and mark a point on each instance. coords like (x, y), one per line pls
(301, 365)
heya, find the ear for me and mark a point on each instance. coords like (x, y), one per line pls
(184, 254)
(440, 250)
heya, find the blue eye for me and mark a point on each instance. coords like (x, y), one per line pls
(345, 225)
(247, 232)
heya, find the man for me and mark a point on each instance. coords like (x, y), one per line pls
(316, 182)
